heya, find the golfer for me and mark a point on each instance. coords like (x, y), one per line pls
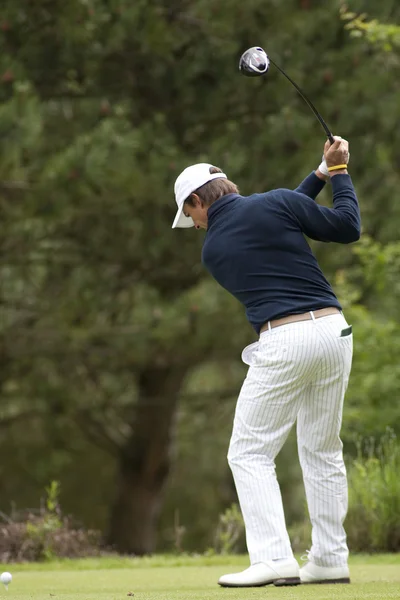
(255, 247)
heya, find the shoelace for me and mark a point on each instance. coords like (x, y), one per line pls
(306, 556)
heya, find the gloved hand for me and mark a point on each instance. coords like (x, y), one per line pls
(323, 168)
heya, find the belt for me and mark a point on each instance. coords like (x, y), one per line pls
(316, 314)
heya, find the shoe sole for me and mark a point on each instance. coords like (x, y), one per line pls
(277, 582)
(324, 581)
(287, 581)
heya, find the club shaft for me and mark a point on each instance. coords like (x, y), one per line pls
(310, 104)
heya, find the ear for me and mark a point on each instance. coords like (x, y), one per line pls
(197, 201)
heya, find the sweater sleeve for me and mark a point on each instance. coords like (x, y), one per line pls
(341, 224)
(311, 186)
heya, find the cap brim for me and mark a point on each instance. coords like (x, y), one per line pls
(182, 221)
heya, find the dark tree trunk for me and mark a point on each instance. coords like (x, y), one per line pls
(145, 463)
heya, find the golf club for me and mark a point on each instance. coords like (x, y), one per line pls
(255, 62)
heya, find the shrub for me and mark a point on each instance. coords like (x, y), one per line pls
(45, 535)
(229, 535)
(373, 520)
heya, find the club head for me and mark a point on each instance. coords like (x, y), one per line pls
(254, 62)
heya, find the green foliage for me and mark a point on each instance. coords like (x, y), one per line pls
(373, 518)
(386, 36)
(101, 105)
(373, 521)
(40, 531)
(52, 498)
(229, 532)
(28, 536)
(378, 271)
(375, 379)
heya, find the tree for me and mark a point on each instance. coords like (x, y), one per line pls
(106, 312)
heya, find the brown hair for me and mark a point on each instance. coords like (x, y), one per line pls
(214, 189)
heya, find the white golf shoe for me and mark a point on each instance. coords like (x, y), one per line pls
(281, 572)
(312, 573)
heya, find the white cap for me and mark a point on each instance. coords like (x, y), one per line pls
(188, 181)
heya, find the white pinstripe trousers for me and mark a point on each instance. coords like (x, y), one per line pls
(297, 371)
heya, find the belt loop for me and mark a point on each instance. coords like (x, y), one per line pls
(269, 326)
(312, 315)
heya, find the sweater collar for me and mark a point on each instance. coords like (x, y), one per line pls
(219, 205)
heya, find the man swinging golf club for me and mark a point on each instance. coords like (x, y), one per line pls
(300, 366)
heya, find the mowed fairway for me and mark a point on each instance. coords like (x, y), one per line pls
(163, 578)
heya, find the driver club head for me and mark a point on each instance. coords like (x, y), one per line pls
(254, 62)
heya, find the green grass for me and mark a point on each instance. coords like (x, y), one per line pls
(186, 578)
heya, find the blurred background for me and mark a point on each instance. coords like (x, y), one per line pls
(119, 355)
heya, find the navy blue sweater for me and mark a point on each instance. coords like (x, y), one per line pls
(256, 249)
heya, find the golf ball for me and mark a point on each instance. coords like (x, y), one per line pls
(6, 578)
